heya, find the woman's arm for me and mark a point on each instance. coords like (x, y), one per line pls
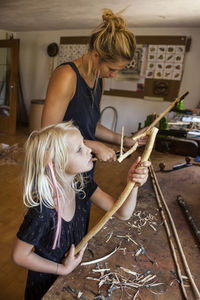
(104, 134)
(23, 256)
(61, 89)
(106, 202)
(101, 151)
(107, 135)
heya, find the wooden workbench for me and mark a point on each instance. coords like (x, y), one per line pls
(158, 259)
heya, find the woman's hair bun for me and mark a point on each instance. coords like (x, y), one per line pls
(113, 20)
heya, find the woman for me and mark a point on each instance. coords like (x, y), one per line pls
(75, 88)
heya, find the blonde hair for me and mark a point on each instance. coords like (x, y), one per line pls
(44, 147)
(112, 40)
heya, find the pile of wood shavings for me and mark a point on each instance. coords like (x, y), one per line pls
(130, 283)
(143, 218)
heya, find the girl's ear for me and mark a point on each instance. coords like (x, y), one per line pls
(46, 159)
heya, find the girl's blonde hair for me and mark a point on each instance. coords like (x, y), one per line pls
(43, 149)
(112, 40)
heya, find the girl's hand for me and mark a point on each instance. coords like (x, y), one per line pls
(139, 175)
(71, 261)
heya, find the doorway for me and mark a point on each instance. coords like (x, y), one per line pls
(9, 70)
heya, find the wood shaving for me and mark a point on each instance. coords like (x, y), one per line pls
(99, 259)
(115, 280)
(109, 236)
(143, 218)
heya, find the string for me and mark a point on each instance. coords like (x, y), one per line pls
(58, 227)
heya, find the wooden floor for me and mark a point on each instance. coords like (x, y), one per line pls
(12, 277)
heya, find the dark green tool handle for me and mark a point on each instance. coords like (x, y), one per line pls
(187, 212)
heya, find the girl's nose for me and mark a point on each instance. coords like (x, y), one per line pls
(88, 150)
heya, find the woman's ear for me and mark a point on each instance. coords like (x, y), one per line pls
(95, 55)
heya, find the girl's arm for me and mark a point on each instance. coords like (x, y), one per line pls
(23, 256)
(106, 202)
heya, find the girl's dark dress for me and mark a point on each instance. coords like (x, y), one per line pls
(38, 229)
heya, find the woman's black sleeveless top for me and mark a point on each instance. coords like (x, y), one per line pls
(84, 108)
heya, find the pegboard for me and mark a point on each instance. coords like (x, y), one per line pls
(155, 72)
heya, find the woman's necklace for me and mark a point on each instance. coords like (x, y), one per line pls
(93, 81)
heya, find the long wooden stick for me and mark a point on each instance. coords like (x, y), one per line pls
(122, 198)
(161, 115)
(122, 141)
(187, 269)
(167, 110)
(122, 157)
(168, 234)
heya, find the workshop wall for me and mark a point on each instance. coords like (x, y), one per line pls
(34, 69)
(4, 34)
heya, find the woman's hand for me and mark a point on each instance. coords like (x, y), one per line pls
(139, 175)
(143, 140)
(104, 153)
(129, 141)
(71, 261)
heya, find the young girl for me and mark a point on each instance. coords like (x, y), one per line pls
(58, 197)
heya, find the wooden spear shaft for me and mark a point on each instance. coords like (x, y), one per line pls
(187, 269)
(145, 156)
(168, 234)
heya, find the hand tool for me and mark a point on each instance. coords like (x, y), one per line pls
(176, 167)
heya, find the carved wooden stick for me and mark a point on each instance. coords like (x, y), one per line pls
(122, 197)
(161, 115)
(127, 153)
(122, 141)
(187, 269)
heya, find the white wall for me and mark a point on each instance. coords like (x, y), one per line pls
(34, 68)
(6, 34)
(34, 61)
(2, 34)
